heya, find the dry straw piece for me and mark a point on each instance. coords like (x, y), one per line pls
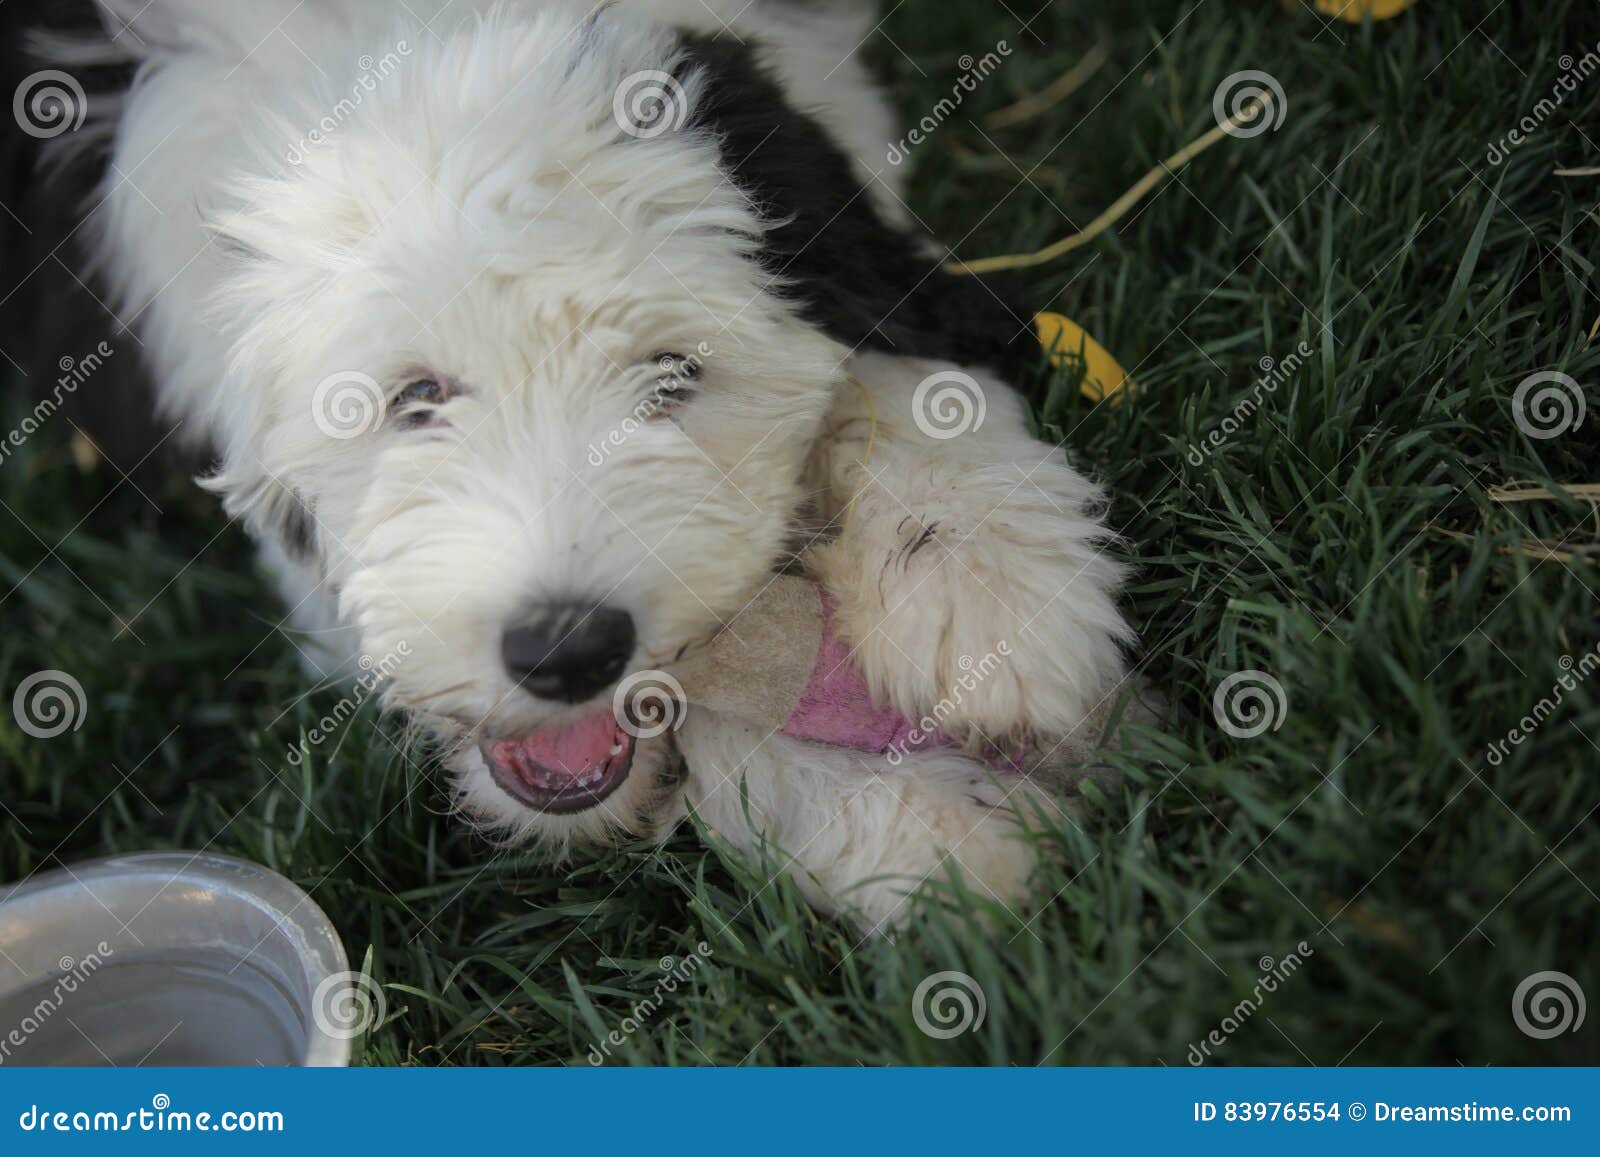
(1057, 91)
(1582, 491)
(1119, 208)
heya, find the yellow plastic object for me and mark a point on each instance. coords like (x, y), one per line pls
(1062, 337)
(1355, 11)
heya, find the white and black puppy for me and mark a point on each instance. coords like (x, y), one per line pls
(534, 336)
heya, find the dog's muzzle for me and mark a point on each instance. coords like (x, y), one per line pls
(569, 652)
(563, 769)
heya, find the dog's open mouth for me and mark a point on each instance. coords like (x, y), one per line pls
(563, 769)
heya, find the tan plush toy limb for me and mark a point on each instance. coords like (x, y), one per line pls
(758, 667)
(780, 665)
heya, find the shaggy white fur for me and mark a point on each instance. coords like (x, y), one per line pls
(412, 272)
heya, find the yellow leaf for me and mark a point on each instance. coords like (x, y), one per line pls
(1063, 338)
(1355, 11)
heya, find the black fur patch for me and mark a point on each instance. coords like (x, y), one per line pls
(862, 280)
(298, 530)
(53, 314)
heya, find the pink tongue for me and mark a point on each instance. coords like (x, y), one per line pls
(578, 747)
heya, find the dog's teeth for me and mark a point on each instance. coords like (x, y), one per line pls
(617, 750)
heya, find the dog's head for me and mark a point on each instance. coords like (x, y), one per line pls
(534, 341)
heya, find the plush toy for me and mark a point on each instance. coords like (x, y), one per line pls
(781, 664)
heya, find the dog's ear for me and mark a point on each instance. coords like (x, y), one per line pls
(864, 280)
(143, 25)
(270, 510)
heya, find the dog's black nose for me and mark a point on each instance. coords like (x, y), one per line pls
(569, 651)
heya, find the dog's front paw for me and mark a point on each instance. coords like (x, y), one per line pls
(971, 572)
(988, 605)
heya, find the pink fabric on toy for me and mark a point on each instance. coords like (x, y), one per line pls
(837, 708)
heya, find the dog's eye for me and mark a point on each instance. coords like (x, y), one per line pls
(425, 392)
(677, 367)
(414, 406)
(674, 384)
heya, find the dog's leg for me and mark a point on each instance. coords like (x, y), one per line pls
(970, 574)
(856, 832)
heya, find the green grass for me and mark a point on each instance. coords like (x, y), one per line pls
(1344, 541)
